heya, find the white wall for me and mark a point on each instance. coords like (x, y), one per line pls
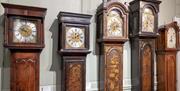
(177, 8)
(50, 63)
(178, 55)
(167, 11)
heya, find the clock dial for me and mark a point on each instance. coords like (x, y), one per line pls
(147, 20)
(75, 37)
(114, 24)
(24, 31)
(171, 38)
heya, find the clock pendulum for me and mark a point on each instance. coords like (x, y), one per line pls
(166, 50)
(142, 33)
(73, 48)
(24, 37)
(112, 33)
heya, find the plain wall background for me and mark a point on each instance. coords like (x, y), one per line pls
(50, 60)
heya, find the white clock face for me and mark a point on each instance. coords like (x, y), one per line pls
(171, 38)
(147, 20)
(75, 37)
(24, 31)
(114, 24)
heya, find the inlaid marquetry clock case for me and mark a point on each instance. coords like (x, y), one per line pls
(166, 49)
(142, 33)
(24, 37)
(112, 33)
(73, 48)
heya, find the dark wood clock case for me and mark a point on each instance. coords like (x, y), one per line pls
(166, 59)
(34, 14)
(142, 45)
(73, 59)
(24, 67)
(111, 48)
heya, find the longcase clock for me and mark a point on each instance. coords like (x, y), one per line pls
(142, 33)
(167, 46)
(24, 37)
(112, 33)
(73, 48)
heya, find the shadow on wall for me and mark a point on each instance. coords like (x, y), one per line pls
(56, 59)
(4, 59)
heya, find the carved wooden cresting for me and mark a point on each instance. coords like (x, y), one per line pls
(112, 33)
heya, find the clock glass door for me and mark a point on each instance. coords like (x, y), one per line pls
(147, 20)
(171, 38)
(24, 31)
(75, 37)
(114, 24)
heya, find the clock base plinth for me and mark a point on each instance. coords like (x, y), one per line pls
(24, 71)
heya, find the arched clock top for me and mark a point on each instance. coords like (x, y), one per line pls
(120, 6)
(109, 50)
(152, 7)
(145, 45)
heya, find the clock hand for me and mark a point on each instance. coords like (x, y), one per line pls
(171, 39)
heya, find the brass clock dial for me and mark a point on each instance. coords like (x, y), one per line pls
(171, 38)
(24, 31)
(75, 37)
(114, 24)
(147, 20)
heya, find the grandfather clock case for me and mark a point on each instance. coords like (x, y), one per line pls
(142, 33)
(73, 48)
(24, 37)
(112, 33)
(166, 49)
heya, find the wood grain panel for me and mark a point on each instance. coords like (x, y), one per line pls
(25, 72)
(113, 69)
(146, 69)
(171, 73)
(74, 76)
(166, 72)
(161, 73)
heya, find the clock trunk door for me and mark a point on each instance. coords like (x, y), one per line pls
(25, 71)
(147, 69)
(113, 68)
(170, 66)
